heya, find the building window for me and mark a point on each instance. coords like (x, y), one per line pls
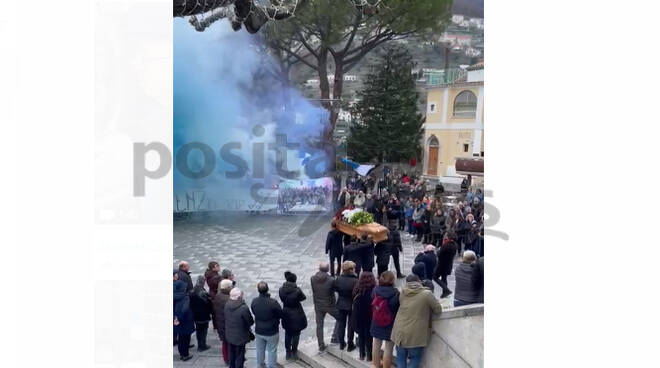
(466, 147)
(465, 105)
(482, 153)
(433, 107)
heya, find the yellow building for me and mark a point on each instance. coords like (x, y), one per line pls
(454, 123)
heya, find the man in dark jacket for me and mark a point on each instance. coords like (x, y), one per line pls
(466, 291)
(294, 319)
(324, 302)
(184, 275)
(367, 253)
(395, 248)
(267, 314)
(383, 250)
(238, 321)
(334, 248)
(219, 302)
(429, 258)
(354, 252)
(344, 285)
(446, 255)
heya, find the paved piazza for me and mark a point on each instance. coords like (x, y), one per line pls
(262, 247)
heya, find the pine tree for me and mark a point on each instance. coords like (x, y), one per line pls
(387, 124)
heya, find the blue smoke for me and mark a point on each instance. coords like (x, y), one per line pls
(222, 97)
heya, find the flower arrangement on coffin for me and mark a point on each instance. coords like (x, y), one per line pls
(357, 222)
(357, 217)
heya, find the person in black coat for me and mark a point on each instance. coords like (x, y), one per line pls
(334, 248)
(238, 321)
(344, 285)
(419, 269)
(367, 253)
(462, 229)
(396, 247)
(202, 308)
(383, 251)
(294, 319)
(355, 252)
(429, 258)
(267, 314)
(361, 315)
(426, 226)
(445, 255)
(184, 324)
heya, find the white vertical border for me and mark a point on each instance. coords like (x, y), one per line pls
(445, 105)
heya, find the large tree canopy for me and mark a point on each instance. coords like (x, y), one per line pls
(241, 12)
(334, 35)
(387, 125)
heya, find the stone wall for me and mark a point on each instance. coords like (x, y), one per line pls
(457, 340)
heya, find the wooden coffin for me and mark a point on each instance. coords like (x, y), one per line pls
(377, 231)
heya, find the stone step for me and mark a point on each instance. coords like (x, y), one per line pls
(351, 358)
(299, 363)
(309, 353)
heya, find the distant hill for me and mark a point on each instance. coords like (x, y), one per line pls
(471, 8)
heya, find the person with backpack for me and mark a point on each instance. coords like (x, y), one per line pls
(361, 316)
(384, 307)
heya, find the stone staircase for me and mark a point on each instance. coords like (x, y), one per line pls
(331, 358)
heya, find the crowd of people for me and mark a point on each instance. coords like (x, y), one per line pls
(363, 302)
(287, 198)
(405, 202)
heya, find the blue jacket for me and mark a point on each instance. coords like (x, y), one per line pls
(392, 295)
(182, 309)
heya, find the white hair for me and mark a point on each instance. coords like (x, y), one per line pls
(235, 293)
(226, 284)
(469, 256)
